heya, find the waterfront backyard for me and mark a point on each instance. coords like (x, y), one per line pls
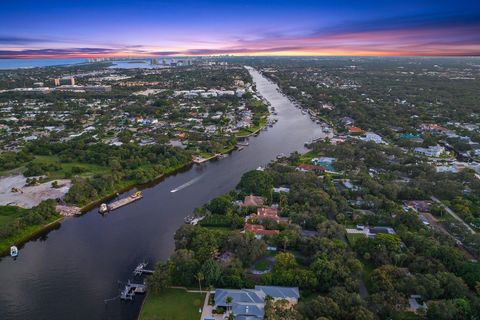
(172, 304)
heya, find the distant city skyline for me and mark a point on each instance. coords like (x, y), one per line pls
(107, 28)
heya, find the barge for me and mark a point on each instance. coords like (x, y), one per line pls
(104, 208)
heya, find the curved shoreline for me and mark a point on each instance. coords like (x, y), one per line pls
(24, 238)
(44, 229)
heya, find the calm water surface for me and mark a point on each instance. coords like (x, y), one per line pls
(33, 63)
(70, 272)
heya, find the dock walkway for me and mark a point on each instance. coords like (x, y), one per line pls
(140, 269)
(130, 289)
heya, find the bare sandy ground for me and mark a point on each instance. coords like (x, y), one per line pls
(29, 197)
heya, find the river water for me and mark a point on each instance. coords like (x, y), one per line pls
(69, 272)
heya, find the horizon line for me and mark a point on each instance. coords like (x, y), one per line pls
(393, 55)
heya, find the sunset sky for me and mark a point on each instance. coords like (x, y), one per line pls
(37, 29)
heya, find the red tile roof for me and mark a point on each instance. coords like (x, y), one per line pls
(253, 201)
(355, 130)
(268, 213)
(258, 229)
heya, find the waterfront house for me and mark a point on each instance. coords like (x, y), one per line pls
(249, 304)
(310, 168)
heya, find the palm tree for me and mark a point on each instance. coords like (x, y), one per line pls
(200, 277)
(229, 301)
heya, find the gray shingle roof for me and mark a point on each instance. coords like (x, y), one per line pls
(280, 292)
(249, 304)
(248, 310)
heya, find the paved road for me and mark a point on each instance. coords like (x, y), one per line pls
(453, 214)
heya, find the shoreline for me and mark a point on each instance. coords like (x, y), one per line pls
(25, 236)
(262, 127)
(43, 228)
(39, 229)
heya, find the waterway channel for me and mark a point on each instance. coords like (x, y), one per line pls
(69, 272)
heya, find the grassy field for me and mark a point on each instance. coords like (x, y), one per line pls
(307, 157)
(88, 169)
(26, 234)
(352, 237)
(10, 213)
(172, 304)
(246, 132)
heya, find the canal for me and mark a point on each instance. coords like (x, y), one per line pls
(69, 272)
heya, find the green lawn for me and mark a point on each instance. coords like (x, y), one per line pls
(89, 169)
(262, 265)
(10, 213)
(307, 157)
(172, 304)
(246, 132)
(25, 234)
(352, 237)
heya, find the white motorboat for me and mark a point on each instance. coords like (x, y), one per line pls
(103, 208)
(13, 251)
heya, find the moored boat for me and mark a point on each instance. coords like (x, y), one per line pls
(103, 208)
(13, 251)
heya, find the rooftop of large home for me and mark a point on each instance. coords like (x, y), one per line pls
(355, 130)
(267, 213)
(371, 232)
(253, 201)
(431, 151)
(259, 230)
(249, 304)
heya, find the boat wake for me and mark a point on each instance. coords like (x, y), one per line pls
(186, 184)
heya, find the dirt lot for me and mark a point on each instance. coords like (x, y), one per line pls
(29, 197)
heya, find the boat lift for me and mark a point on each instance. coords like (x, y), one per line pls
(130, 289)
(140, 269)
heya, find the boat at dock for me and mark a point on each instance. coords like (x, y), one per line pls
(130, 289)
(104, 208)
(141, 269)
(13, 251)
(193, 220)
